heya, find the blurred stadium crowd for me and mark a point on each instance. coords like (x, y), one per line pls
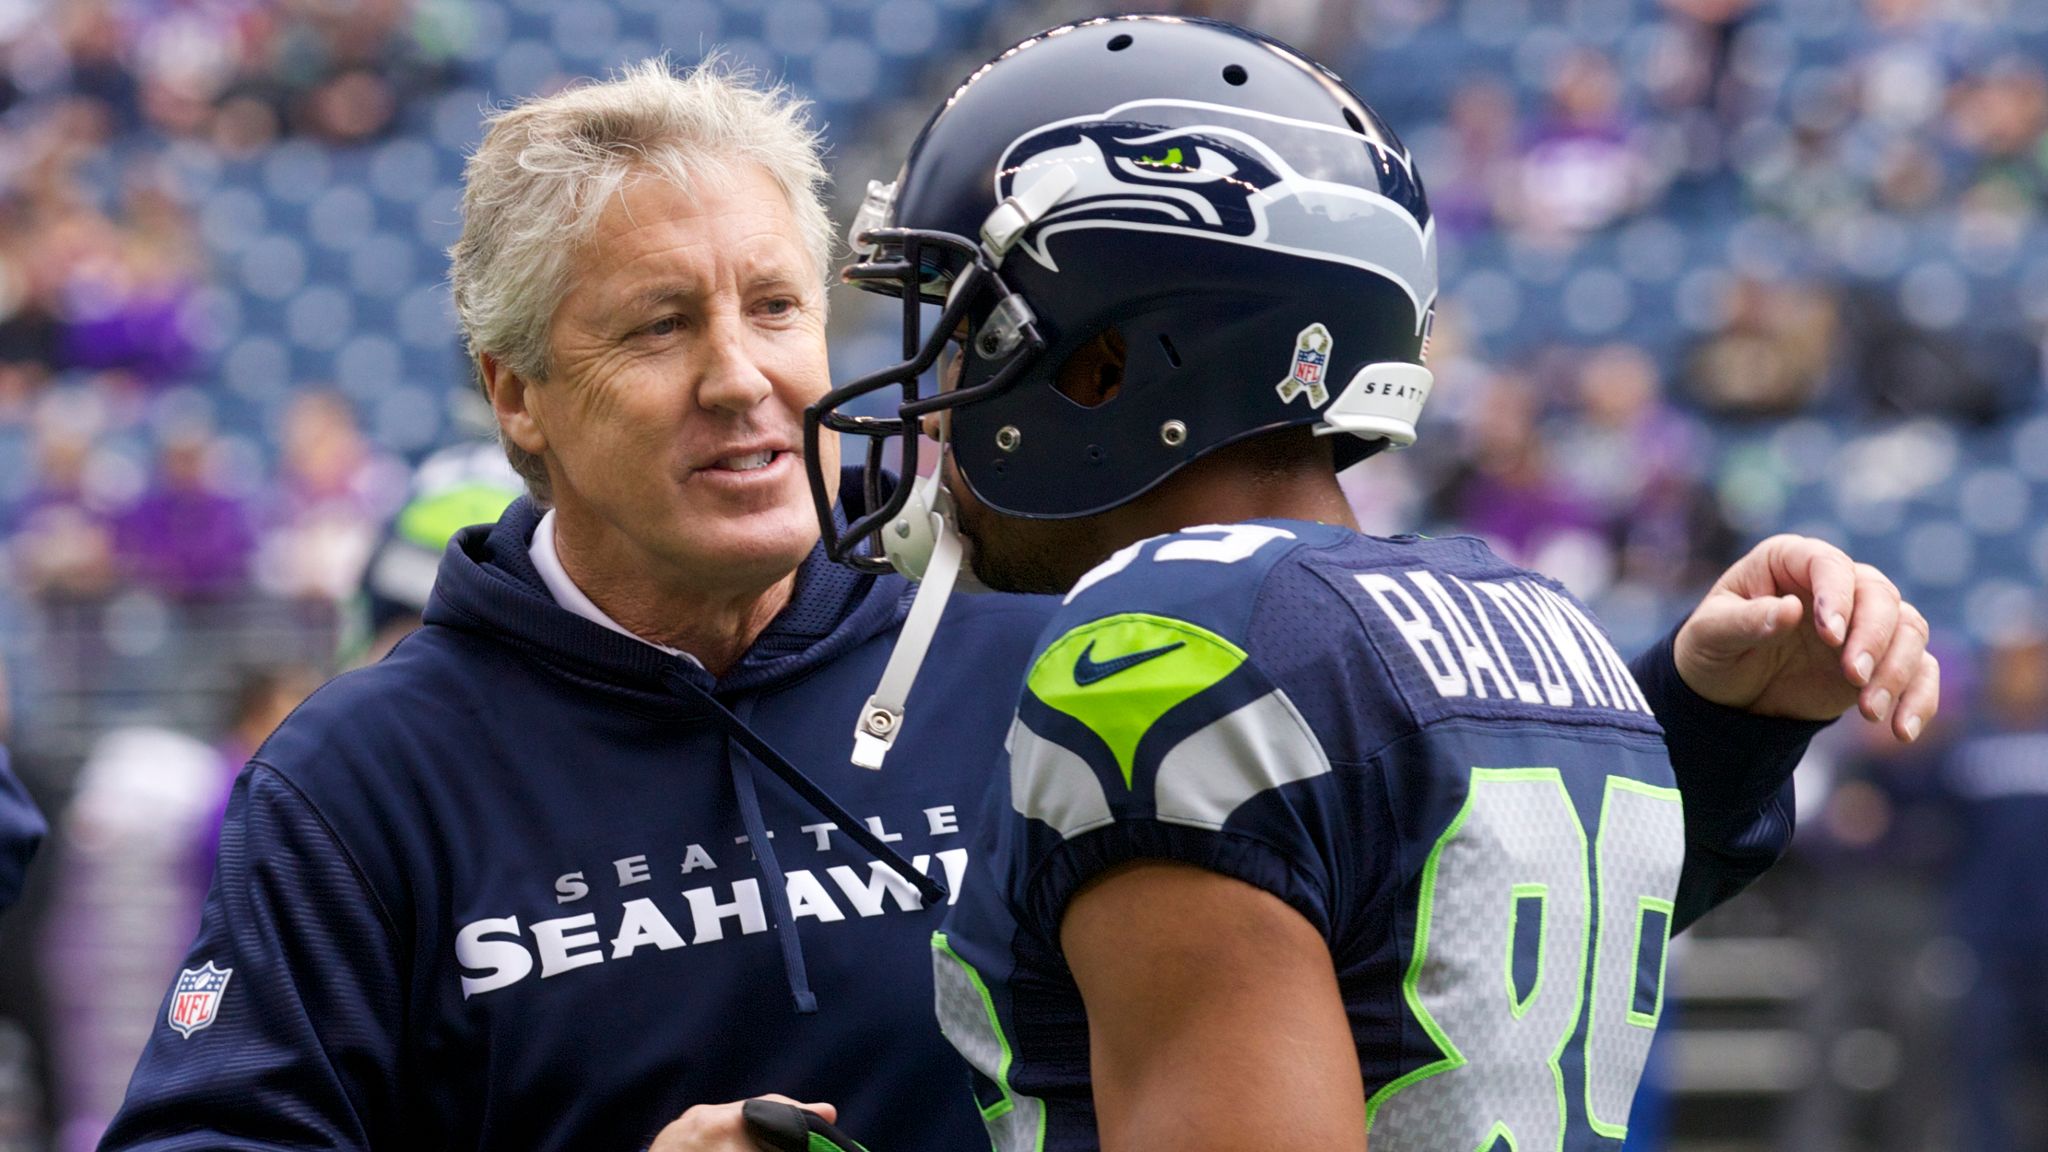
(1713, 269)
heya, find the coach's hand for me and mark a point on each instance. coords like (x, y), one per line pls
(720, 1127)
(1798, 629)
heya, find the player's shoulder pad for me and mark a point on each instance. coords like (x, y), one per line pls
(1463, 632)
(1143, 678)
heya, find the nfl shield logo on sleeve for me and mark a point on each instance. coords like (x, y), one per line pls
(195, 999)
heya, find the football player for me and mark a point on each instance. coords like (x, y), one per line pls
(456, 486)
(1305, 836)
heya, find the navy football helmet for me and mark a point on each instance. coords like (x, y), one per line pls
(1207, 213)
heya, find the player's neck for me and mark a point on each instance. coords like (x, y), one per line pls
(1244, 482)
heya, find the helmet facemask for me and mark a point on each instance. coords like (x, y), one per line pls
(981, 313)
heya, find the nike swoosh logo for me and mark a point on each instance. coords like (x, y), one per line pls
(1087, 671)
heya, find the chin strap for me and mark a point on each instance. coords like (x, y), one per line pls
(921, 542)
(929, 512)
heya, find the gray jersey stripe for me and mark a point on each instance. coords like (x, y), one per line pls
(1050, 783)
(1257, 748)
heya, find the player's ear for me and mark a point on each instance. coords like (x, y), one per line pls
(1095, 372)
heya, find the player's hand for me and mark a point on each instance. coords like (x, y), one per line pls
(720, 1128)
(1798, 629)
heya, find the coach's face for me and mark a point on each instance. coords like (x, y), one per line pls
(691, 338)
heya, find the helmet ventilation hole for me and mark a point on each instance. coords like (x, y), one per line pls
(1094, 374)
(1234, 74)
(1173, 433)
(1352, 119)
(1119, 42)
(1172, 353)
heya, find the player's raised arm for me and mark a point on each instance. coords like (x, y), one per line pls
(1214, 1017)
(1791, 637)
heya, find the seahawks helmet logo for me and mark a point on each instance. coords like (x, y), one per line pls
(1236, 176)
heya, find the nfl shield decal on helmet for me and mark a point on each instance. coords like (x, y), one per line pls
(195, 999)
(1311, 357)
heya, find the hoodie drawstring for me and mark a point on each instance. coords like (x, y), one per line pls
(771, 871)
(760, 751)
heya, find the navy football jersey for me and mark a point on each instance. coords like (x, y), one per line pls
(1434, 756)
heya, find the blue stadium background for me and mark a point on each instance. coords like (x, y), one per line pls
(1713, 269)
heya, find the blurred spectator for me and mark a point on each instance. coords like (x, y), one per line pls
(184, 537)
(263, 698)
(1697, 70)
(1999, 776)
(1906, 45)
(335, 71)
(241, 73)
(61, 541)
(21, 381)
(92, 52)
(1471, 175)
(1999, 119)
(1510, 494)
(79, 289)
(1804, 176)
(125, 297)
(334, 494)
(1637, 462)
(1623, 442)
(126, 904)
(135, 858)
(28, 319)
(1910, 177)
(1770, 355)
(1585, 165)
(1970, 372)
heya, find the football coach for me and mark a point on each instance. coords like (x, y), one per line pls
(585, 853)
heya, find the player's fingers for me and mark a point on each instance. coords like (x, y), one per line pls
(1920, 702)
(1827, 574)
(1802, 565)
(1742, 624)
(1726, 627)
(1899, 663)
(1875, 623)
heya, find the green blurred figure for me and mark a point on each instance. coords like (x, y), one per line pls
(455, 487)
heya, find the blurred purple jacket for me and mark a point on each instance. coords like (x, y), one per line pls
(185, 542)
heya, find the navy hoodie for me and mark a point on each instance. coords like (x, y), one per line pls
(498, 890)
